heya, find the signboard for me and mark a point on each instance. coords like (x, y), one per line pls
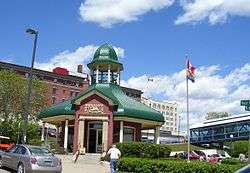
(247, 108)
(93, 108)
(245, 102)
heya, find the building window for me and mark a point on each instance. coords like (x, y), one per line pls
(76, 94)
(54, 91)
(53, 100)
(63, 99)
(64, 91)
(154, 105)
(71, 93)
(128, 134)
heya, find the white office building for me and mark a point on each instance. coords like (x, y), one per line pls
(169, 111)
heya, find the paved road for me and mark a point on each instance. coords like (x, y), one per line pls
(85, 164)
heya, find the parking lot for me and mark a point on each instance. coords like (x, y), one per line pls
(85, 164)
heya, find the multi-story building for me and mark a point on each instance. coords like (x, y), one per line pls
(61, 85)
(169, 111)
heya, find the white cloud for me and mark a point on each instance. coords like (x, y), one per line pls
(8, 60)
(215, 11)
(210, 92)
(71, 59)
(109, 12)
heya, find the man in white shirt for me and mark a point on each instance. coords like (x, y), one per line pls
(114, 154)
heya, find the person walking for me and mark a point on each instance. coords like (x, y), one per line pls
(114, 154)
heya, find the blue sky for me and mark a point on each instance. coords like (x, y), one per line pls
(153, 38)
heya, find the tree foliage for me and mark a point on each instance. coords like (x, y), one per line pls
(13, 129)
(238, 147)
(214, 115)
(13, 96)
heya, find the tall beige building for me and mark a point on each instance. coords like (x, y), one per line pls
(169, 111)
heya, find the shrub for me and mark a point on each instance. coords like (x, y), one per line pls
(239, 147)
(231, 161)
(56, 148)
(139, 165)
(142, 149)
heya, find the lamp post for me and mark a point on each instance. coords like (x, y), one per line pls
(232, 145)
(249, 147)
(27, 106)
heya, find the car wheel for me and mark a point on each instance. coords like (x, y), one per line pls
(1, 162)
(20, 168)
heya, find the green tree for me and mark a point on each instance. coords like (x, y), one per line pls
(214, 115)
(13, 128)
(13, 96)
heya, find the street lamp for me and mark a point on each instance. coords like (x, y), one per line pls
(27, 107)
(232, 145)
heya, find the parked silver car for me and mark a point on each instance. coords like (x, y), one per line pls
(30, 159)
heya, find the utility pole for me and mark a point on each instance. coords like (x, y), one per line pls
(30, 76)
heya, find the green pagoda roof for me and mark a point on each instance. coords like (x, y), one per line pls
(105, 54)
(127, 106)
(64, 108)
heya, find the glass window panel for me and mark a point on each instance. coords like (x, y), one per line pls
(128, 134)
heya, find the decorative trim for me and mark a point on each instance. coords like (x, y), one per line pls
(58, 118)
(141, 121)
(83, 117)
(78, 101)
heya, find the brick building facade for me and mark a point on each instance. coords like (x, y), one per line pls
(61, 86)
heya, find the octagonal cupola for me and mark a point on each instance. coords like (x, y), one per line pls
(105, 67)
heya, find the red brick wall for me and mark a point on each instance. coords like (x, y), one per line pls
(62, 91)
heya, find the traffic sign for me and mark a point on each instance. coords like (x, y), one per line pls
(247, 108)
(245, 102)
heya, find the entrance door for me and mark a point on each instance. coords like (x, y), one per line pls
(99, 141)
(95, 138)
(92, 140)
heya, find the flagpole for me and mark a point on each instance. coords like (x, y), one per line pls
(188, 131)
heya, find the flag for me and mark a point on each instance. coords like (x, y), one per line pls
(190, 71)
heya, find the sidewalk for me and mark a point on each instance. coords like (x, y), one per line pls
(86, 164)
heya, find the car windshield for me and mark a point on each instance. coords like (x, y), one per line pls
(40, 151)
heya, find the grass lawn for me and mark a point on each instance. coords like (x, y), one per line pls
(183, 147)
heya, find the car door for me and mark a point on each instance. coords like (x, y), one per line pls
(18, 155)
(23, 157)
(15, 158)
(7, 157)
